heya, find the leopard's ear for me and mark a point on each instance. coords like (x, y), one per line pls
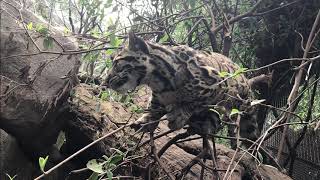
(137, 44)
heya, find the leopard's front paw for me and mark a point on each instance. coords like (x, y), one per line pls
(145, 124)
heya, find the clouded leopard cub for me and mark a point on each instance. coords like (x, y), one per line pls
(185, 82)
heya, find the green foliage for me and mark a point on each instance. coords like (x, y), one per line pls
(30, 26)
(92, 56)
(234, 111)
(96, 166)
(110, 95)
(94, 176)
(48, 42)
(106, 165)
(66, 31)
(44, 32)
(104, 95)
(165, 38)
(109, 51)
(114, 40)
(136, 109)
(180, 32)
(238, 72)
(108, 63)
(43, 162)
(223, 74)
(303, 108)
(224, 133)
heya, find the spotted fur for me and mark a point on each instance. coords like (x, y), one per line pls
(184, 82)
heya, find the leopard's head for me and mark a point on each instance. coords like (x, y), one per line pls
(129, 67)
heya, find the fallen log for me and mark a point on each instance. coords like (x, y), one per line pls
(96, 117)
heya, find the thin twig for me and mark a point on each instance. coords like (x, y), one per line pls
(239, 17)
(70, 52)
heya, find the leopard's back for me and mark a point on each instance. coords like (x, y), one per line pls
(205, 75)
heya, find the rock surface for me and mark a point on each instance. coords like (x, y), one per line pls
(34, 85)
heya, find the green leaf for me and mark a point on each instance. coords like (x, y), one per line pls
(42, 30)
(94, 176)
(136, 109)
(48, 42)
(257, 101)
(95, 33)
(104, 96)
(95, 166)
(108, 63)
(109, 174)
(109, 51)
(115, 159)
(164, 38)
(111, 166)
(30, 26)
(42, 162)
(234, 111)
(239, 71)
(192, 3)
(66, 31)
(114, 40)
(223, 74)
(118, 42)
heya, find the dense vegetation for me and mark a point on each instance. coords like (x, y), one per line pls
(278, 38)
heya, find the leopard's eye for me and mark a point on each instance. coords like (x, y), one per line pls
(123, 68)
(127, 66)
(117, 68)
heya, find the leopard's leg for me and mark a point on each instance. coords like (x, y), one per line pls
(249, 128)
(179, 116)
(149, 121)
